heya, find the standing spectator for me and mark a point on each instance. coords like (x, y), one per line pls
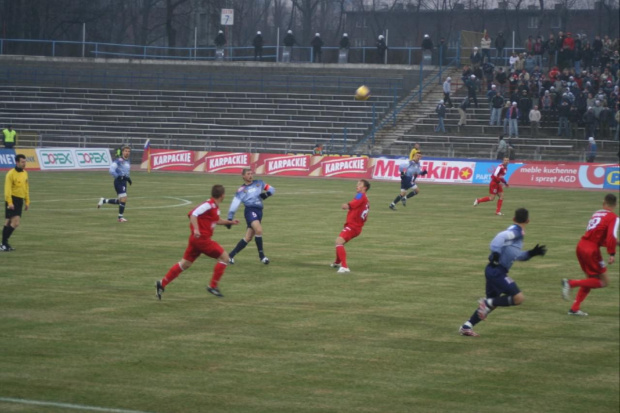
(563, 125)
(551, 47)
(591, 151)
(513, 119)
(500, 44)
(317, 46)
(587, 56)
(485, 47)
(574, 117)
(471, 89)
(475, 59)
(597, 49)
(501, 290)
(525, 105)
(589, 120)
(501, 79)
(120, 170)
(440, 110)
(446, 92)
(529, 45)
(602, 231)
(344, 41)
(534, 121)
(258, 46)
(488, 70)
(203, 220)
(357, 215)
(463, 112)
(505, 117)
(220, 39)
(16, 199)
(251, 193)
(491, 94)
(318, 150)
(502, 148)
(427, 43)
(409, 173)
(9, 137)
(497, 103)
(539, 48)
(381, 49)
(605, 117)
(289, 41)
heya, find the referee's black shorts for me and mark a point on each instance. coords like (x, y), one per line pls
(18, 203)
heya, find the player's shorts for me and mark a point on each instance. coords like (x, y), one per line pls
(498, 282)
(406, 184)
(495, 188)
(590, 258)
(206, 246)
(120, 186)
(253, 214)
(18, 204)
(348, 233)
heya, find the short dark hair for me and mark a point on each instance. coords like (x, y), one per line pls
(521, 216)
(611, 200)
(500, 136)
(366, 184)
(217, 191)
(19, 157)
(244, 170)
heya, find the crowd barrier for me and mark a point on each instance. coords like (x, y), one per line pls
(386, 168)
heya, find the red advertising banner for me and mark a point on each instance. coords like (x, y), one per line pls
(567, 175)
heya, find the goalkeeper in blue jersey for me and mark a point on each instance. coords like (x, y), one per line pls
(501, 289)
(251, 194)
(409, 172)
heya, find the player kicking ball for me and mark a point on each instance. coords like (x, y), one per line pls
(495, 187)
(409, 173)
(502, 290)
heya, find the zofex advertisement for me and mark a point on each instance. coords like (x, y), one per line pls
(72, 158)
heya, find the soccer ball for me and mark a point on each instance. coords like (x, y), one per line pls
(362, 93)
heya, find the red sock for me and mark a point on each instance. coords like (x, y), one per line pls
(341, 255)
(581, 295)
(485, 199)
(218, 271)
(587, 282)
(173, 273)
(499, 205)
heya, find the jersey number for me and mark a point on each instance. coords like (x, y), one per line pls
(364, 214)
(593, 223)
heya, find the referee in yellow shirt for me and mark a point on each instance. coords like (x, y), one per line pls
(416, 149)
(16, 197)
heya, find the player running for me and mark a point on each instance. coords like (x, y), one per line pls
(358, 209)
(202, 222)
(120, 170)
(495, 187)
(602, 231)
(252, 196)
(409, 172)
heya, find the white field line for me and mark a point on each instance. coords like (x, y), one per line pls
(66, 405)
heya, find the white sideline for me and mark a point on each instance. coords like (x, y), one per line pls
(67, 405)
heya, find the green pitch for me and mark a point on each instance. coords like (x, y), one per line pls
(81, 324)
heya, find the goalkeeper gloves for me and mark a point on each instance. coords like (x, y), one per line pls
(424, 172)
(128, 179)
(228, 226)
(264, 195)
(538, 250)
(494, 259)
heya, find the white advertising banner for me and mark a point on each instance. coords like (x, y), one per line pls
(74, 158)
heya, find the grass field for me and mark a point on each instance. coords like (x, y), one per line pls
(81, 324)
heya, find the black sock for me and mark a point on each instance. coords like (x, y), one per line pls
(398, 198)
(121, 209)
(259, 246)
(411, 194)
(6, 233)
(111, 201)
(502, 301)
(474, 319)
(240, 245)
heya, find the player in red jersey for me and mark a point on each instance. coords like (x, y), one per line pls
(202, 222)
(602, 231)
(495, 187)
(356, 218)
